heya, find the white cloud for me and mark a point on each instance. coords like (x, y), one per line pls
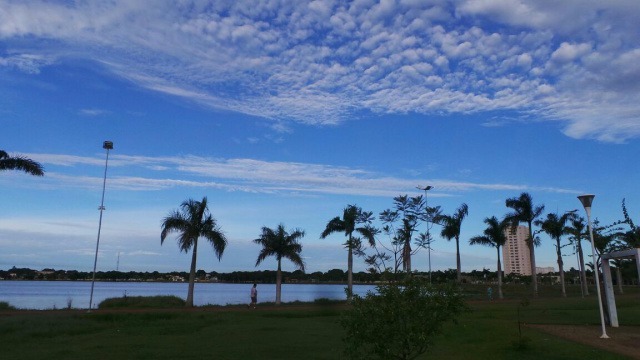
(250, 175)
(322, 62)
(570, 52)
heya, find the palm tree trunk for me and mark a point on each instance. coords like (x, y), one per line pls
(560, 267)
(532, 257)
(407, 257)
(458, 270)
(583, 273)
(350, 273)
(619, 278)
(499, 275)
(278, 283)
(192, 274)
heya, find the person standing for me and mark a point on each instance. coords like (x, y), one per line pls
(254, 296)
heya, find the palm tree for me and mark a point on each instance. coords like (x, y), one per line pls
(451, 226)
(352, 216)
(20, 163)
(192, 221)
(494, 235)
(525, 211)
(280, 244)
(577, 231)
(555, 227)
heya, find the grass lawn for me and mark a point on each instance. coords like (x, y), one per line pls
(296, 332)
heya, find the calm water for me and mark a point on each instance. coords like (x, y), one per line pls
(42, 295)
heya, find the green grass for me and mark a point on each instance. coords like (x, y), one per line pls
(291, 332)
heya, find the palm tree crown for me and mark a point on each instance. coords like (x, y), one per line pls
(494, 236)
(555, 227)
(352, 216)
(577, 231)
(20, 163)
(451, 226)
(191, 222)
(525, 211)
(281, 244)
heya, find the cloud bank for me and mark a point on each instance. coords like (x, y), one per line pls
(323, 62)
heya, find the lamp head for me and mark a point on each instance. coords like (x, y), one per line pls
(108, 145)
(586, 200)
(426, 188)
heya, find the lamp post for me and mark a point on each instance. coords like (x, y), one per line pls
(427, 188)
(107, 145)
(586, 201)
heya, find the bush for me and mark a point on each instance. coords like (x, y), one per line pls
(142, 302)
(6, 306)
(400, 321)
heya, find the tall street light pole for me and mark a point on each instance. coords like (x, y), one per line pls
(586, 201)
(107, 145)
(427, 188)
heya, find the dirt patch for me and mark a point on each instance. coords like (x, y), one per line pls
(624, 340)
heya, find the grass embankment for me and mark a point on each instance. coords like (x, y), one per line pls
(489, 331)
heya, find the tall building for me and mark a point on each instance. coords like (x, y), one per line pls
(515, 251)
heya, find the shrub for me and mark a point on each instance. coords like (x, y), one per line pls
(138, 302)
(400, 321)
(6, 306)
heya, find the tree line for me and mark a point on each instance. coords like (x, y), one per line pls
(333, 276)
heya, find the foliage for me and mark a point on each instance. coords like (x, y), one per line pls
(281, 244)
(525, 211)
(632, 237)
(399, 225)
(494, 236)
(142, 302)
(400, 321)
(451, 226)
(555, 226)
(354, 219)
(20, 163)
(578, 231)
(191, 222)
(6, 306)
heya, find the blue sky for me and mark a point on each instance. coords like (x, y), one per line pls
(287, 111)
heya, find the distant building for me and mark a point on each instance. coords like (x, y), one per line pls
(545, 270)
(515, 251)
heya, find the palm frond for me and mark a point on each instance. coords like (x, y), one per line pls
(20, 163)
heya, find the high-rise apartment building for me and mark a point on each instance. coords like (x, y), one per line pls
(515, 251)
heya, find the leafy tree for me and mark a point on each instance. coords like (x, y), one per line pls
(555, 227)
(400, 320)
(577, 232)
(524, 211)
(281, 244)
(192, 221)
(494, 236)
(20, 163)
(400, 224)
(451, 226)
(353, 220)
(632, 237)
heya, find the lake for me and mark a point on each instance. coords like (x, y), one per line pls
(44, 295)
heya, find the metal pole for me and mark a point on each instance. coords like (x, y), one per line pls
(108, 145)
(586, 202)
